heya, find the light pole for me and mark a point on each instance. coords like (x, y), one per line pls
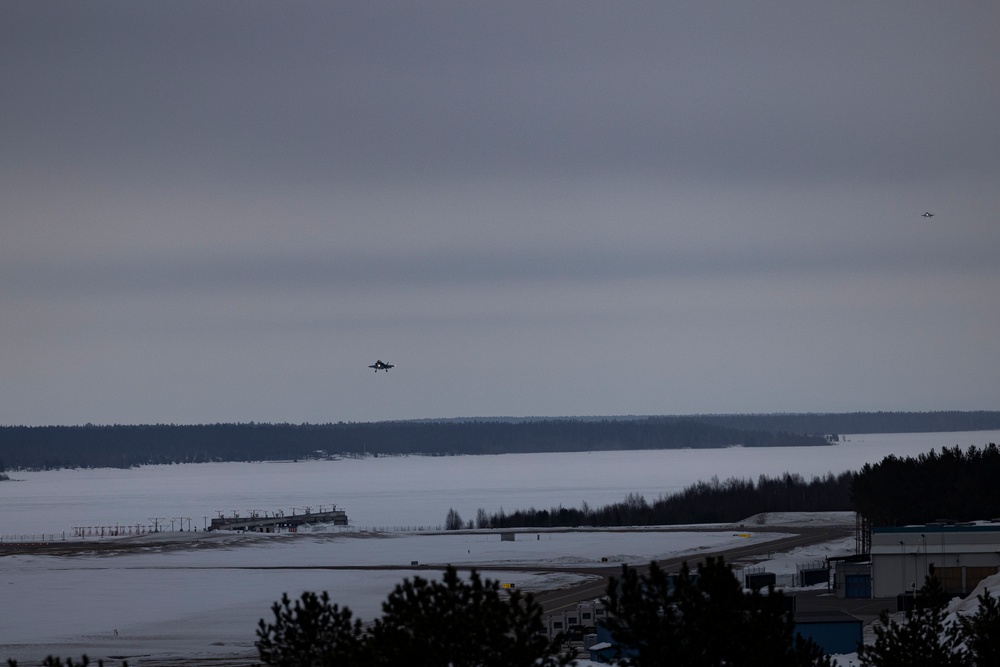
(923, 543)
(902, 566)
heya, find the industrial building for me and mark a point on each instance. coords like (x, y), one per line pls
(581, 619)
(959, 555)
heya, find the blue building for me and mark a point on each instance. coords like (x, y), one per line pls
(835, 632)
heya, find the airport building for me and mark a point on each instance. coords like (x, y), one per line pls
(960, 555)
(580, 620)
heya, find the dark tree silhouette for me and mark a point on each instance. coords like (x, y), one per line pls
(123, 446)
(952, 485)
(922, 641)
(313, 632)
(453, 521)
(927, 639)
(981, 632)
(705, 619)
(451, 622)
(704, 502)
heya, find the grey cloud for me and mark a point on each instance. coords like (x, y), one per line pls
(375, 270)
(369, 91)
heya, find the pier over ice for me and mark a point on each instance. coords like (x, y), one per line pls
(275, 522)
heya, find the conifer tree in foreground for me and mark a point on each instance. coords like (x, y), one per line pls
(312, 632)
(462, 624)
(452, 622)
(927, 639)
(703, 620)
(981, 631)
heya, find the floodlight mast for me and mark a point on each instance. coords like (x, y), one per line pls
(902, 566)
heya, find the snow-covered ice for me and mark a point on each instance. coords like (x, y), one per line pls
(414, 491)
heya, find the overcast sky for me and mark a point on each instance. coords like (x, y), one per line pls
(225, 211)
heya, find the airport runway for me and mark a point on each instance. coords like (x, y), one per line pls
(556, 601)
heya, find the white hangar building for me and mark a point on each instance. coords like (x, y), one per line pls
(960, 555)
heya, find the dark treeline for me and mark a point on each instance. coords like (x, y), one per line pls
(24, 447)
(861, 422)
(704, 502)
(130, 445)
(952, 485)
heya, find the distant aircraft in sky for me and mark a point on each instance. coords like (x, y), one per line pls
(382, 366)
(927, 215)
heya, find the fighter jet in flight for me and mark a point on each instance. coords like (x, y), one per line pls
(927, 215)
(382, 366)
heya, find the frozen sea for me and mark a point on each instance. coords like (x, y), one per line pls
(395, 493)
(202, 598)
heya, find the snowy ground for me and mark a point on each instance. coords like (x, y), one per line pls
(203, 598)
